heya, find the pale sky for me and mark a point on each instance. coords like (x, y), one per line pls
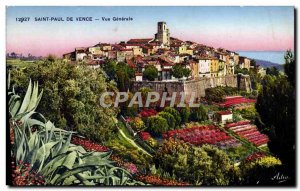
(234, 28)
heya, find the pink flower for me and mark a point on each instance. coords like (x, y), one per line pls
(131, 168)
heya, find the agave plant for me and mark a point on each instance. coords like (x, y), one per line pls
(49, 151)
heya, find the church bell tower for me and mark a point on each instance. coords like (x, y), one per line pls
(163, 33)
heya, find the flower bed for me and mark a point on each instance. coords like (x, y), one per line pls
(147, 112)
(200, 135)
(237, 124)
(127, 165)
(89, 145)
(248, 131)
(22, 175)
(156, 180)
(255, 155)
(145, 135)
(236, 100)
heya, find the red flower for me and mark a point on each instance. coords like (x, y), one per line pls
(147, 112)
(89, 145)
(199, 135)
(156, 180)
(144, 135)
(22, 175)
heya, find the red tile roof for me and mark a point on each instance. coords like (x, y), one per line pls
(224, 112)
(141, 40)
(117, 47)
(175, 39)
(131, 44)
(126, 49)
(167, 64)
(81, 49)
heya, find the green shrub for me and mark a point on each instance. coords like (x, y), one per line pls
(137, 123)
(247, 113)
(157, 125)
(129, 153)
(206, 165)
(150, 73)
(175, 113)
(170, 119)
(217, 94)
(261, 170)
(238, 153)
(185, 114)
(199, 114)
(128, 111)
(152, 142)
(214, 94)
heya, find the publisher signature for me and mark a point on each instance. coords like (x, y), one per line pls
(278, 177)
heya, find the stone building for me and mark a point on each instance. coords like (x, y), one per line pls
(204, 66)
(244, 62)
(163, 33)
(81, 53)
(214, 67)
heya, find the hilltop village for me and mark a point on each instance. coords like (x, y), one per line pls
(164, 52)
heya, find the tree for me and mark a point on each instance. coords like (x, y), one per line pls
(260, 171)
(120, 72)
(185, 114)
(144, 93)
(170, 119)
(199, 114)
(255, 79)
(110, 68)
(272, 71)
(206, 165)
(216, 94)
(51, 58)
(123, 76)
(179, 71)
(276, 105)
(157, 125)
(71, 96)
(241, 70)
(290, 67)
(253, 63)
(128, 111)
(150, 73)
(175, 114)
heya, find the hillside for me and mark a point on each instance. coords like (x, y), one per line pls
(266, 64)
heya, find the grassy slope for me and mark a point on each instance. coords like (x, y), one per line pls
(125, 137)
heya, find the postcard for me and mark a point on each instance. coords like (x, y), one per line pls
(151, 96)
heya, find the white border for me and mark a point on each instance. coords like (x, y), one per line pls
(4, 3)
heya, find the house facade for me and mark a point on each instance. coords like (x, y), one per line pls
(204, 65)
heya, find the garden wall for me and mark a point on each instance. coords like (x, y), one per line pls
(198, 85)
